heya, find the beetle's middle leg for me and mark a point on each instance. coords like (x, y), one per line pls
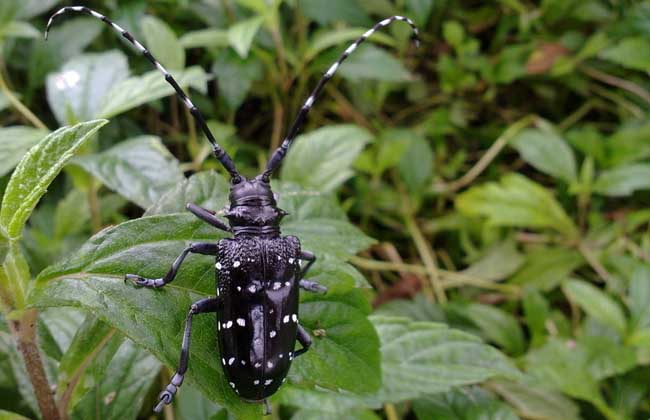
(304, 339)
(197, 248)
(202, 306)
(309, 285)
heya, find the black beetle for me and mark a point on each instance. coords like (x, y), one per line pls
(258, 271)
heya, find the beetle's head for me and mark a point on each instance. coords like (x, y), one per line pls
(252, 203)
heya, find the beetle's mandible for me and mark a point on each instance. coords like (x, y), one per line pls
(258, 270)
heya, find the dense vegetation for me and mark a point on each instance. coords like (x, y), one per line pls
(477, 205)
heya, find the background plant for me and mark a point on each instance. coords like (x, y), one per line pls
(502, 170)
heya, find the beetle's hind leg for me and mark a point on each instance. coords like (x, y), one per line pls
(202, 306)
(198, 248)
(304, 339)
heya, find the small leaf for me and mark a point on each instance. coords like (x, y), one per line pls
(14, 143)
(547, 152)
(416, 164)
(37, 170)
(20, 29)
(639, 296)
(370, 62)
(499, 262)
(75, 93)
(536, 402)
(421, 11)
(323, 158)
(205, 38)
(423, 358)
(623, 180)
(163, 43)
(546, 268)
(138, 90)
(241, 34)
(633, 53)
(7, 415)
(236, 76)
(518, 202)
(140, 169)
(328, 39)
(335, 10)
(597, 304)
(498, 326)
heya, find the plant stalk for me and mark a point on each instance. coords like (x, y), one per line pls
(19, 106)
(24, 332)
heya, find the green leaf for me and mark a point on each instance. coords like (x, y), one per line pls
(14, 143)
(163, 43)
(623, 180)
(370, 62)
(191, 404)
(345, 339)
(416, 164)
(638, 298)
(547, 152)
(518, 202)
(236, 76)
(423, 358)
(546, 268)
(333, 38)
(322, 159)
(606, 358)
(336, 10)
(140, 169)
(72, 215)
(421, 11)
(75, 93)
(633, 53)
(205, 38)
(207, 189)
(19, 29)
(498, 326)
(120, 392)
(349, 414)
(535, 402)
(467, 404)
(7, 415)
(499, 262)
(138, 90)
(597, 304)
(37, 170)
(241, 34)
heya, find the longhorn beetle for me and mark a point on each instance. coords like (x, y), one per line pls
(258, 271)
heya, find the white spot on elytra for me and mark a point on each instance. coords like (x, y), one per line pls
(223, 361)
(285, 319)
(228, 324)
(236, 264)
(294, 318)
(231, 361)
(219, 326)
(281, 356)
(268, 382)
(231, 384)
(269, 364)
(251, 288)
(277, 285)
(218, 265)
(256, 382)
(258, 365)
(287, 283)
(239, 288)
(279, 258)
(241, 322)
(243, 362)
(291, 260)
(272, 334)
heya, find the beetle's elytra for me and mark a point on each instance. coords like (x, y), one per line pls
(258, 271)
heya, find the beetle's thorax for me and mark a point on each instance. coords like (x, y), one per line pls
(253, 209)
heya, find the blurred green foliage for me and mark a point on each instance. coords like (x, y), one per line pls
(502, 169)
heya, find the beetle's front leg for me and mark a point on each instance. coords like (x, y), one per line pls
(197, 248)
(308, 285)
(202, 306)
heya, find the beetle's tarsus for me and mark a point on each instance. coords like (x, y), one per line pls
(164, 399)
(313, 286)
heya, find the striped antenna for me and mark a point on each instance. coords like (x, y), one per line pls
(281, 151)
(219, 153)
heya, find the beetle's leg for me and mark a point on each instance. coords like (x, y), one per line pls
(304, 339)
(207, 216)
(311, 286)
(202, 306)
(267, 407)
(197, 248)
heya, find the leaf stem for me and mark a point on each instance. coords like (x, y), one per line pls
(427, 256)
(391, 412)
(24, 332)
(20, 107)
(488, 156)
